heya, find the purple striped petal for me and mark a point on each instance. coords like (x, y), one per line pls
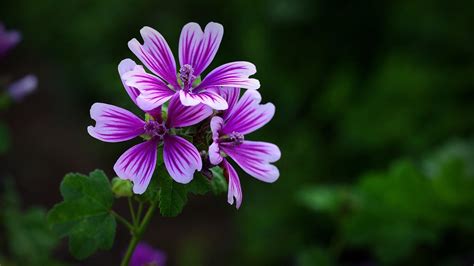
(209, 98)
(235, 74)
(234, 191)
(156, 55)
(231, 96)
(137, 164)
(255, 158)
(215, 156)
(153, 91)
(197, 48)
(248, 114)
(181, 158)
(114, 124)
(183, 116)
(125, 66)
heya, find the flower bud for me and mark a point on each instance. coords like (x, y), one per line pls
(121, 188)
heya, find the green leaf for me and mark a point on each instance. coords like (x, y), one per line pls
(84, 215)
(325, 198)
(218, 183)
(173, 196)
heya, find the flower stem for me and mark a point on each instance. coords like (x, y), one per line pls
(132, 212)
(138, 233)
(122, 220)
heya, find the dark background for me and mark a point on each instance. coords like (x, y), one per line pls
(364, 90)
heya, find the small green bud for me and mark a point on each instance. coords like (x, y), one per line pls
(121, 188)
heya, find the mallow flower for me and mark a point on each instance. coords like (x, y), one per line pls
(243, 116)
(23, 87)
(145, 255)
(8, 39)
(114, 124)
(196, 51)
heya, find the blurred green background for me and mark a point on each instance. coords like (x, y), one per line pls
(375, 121)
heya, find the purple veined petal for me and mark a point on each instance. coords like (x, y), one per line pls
(255, 158)
(209, 98)
(114, 124)
(156, 55)
(23, 87)
(144, 254)
(235, 74)
(216, 125)
(137, 164)
(231, 96)
(183, 116)
(153, 91)
(8, 40)
(215, 156)
(234, 191)
(181, 158)
(197, 48)
(125, 66)
(248, 114)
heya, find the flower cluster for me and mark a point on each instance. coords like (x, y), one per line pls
(18, 89)
(180, 106)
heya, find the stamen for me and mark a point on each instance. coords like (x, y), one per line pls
(235, 138)
(186, 76)
(155, 129)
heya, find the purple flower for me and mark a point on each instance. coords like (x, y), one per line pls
(228, 133)
(145, 255)
(114, 124)
(196, 51)
(8, 39)
(22, 87)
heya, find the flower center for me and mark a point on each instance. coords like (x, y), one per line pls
(186, 76)
(235, 138)
(155, 129)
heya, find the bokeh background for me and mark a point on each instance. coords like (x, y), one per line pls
(375, 119)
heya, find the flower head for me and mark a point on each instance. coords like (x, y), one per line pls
(228, 133)
(8, 39)
(181, 158)
(196, 51)
(22, 87)
(145, 255)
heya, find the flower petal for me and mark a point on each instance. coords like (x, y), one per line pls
(248, 114)
(153, 91)
(214, 154)
(209, 98)
(254, 157)
(216, 125)
(137, 164)
(197, 48)
(234, 190)
(183, 116)
(235, 74)
(125, 66)
(114, 124)
(231, 96)
(155, 54)
(181, 158)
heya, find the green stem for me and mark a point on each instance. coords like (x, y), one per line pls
(123, 220)
(138, 233)
(132, 212)
(139, 212)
